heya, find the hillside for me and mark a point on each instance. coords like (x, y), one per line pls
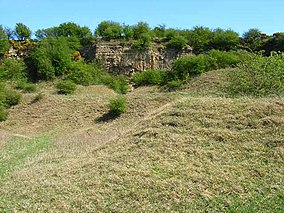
(193, 150)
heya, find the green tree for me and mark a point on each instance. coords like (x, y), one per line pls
(160, 31)
(178, 42)
(199, 38)
(252, 34)
(224, 40)
(50, 58)
(109, 30)
(22, 32)
(4, 43)
(9, 32)
(127, 32)
(71, 29)
(140, 30)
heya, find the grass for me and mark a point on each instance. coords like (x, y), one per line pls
(169, 152)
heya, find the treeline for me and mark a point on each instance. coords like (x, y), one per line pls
(141, 35)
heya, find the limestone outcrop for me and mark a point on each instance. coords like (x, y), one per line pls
(120, 58)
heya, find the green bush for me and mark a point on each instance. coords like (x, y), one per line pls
(3, 114)
(117, 106)
(187, 66)
(12, 98)
(221, 59)
(150, 77)
(175, 85)
(190, 65)
(177, 42)
(258, 76)
(117, 83)
(26, 87)
(50, 58)
(12, 69)
(66, 87)
(84, 74)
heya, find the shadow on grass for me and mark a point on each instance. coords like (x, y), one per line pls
(107, 117)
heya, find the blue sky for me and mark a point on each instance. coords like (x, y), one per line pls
(239, 15)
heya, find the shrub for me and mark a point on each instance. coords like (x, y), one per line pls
(220, 59)
(66, 87)
(51, 58)
(175, 85)
(84, 74)
(150, 77)
(12, 98)
(258, 76)
(3, 114)
(117, 106)
(26, 87)
(109, 30)
(187, 66)
(177, 42)
(38, 97)
(117, 83)
(190, 65)
(13, 69)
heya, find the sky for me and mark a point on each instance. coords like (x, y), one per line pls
(238, 15)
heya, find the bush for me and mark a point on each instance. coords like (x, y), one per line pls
(220, 59)
(12, 69)
(175, 85)
(66, 87)
(190, 65)
(258, 76)
(12, 98)
(117, 83)
(187, 66)
(150, 77)
(177, 42)
(117, 106)
(26, 87)
(84, 74)
(51, 58)
(3, 114)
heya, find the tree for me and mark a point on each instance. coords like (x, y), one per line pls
(224, 40)
(127, 32)
(70, 29)
(251, 34)
(22, 32)
(140, 30)
(4, 43)
(9, 32)
(50, 58)
(109, 30)
(199, 38)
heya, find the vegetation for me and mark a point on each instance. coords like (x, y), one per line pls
(150, 77)
(8, 98)
(66, 87)
(192, 65)
(259, 76)
(117, 106)
(4, 43)
(22, 32)
(13, 69)
(197, 147)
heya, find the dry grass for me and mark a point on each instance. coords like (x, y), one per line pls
(170, 152)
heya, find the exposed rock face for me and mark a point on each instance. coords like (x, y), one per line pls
(120, 58)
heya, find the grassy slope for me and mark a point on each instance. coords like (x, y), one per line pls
(170, 152)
